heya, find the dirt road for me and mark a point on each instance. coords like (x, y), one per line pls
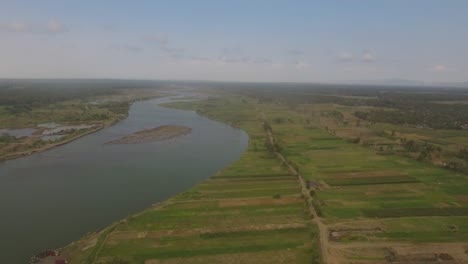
(323, 230)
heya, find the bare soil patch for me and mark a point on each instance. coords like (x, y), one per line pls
(154, 134)
(463, 198)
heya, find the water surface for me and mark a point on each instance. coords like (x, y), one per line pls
(52, 198)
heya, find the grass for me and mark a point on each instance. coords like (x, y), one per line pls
(225, 217)
(100, 111)
(360, 184)
(372, 180)
(251, 208)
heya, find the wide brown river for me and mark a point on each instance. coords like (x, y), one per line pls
(49, 199)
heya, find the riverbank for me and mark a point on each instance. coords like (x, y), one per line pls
(106, 182)
(251, 211)
(356, 199)
(53, 144)
(50, 145)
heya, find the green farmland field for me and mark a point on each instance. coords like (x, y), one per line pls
(368, 202)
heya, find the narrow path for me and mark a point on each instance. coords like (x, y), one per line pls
(323, 230)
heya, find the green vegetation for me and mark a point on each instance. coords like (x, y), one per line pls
(28, 104)
(251, 211)
(363, 171)
(371, 180)
(6, 138)
(375, 186)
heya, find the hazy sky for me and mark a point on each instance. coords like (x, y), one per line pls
(253, 40)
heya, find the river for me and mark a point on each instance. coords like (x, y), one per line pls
(51, 198)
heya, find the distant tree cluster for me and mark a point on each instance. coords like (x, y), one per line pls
(424, 149)
(19, 96)
(432, 107)
(460, 161)
(437, 116)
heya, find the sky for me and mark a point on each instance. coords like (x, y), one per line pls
(225, 40)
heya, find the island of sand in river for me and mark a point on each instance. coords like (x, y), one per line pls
(154, 134)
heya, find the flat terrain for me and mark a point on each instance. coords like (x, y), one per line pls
(365, 203)
(38, 116)
(250, 212)
(377, 207)
(153, 134)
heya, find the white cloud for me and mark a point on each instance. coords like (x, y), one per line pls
(126, 47)
(345, 56)
(301, 65)
(160, 40)
(14, 27)
(51, 27)
(248, 61)
(233, 60)
(199, 59)
(256, 60)
(368, 56)
(172, 50)
(232, 51)
(164, 44)
(295, 52)
(55, 27)
(277, 65)
(360, 69)
(440, 68)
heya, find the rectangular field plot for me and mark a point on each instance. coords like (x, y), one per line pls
(246, 185)
(180, 249)
(252, 177)
(226, 213)
(239, 193)
(371, 180)
(428, 229)
(356, 201)
(256, 163)
(412, 212)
